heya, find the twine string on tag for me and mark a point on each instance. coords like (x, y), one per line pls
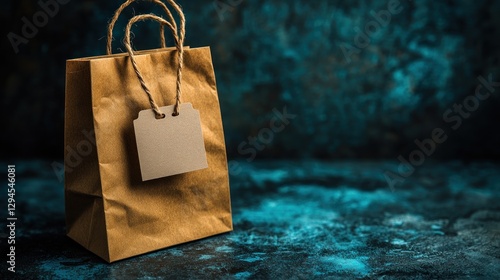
(180, 50)
(178, 35)
(125, 5)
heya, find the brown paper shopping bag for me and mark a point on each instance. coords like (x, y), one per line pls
(110, 209)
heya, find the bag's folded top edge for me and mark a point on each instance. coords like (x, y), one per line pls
(124, 54)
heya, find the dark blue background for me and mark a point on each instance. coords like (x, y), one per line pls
(271, 54)
(297, 216)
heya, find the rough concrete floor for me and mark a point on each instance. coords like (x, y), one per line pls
(294, 220)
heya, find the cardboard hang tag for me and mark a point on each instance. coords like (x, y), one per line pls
(172, 145)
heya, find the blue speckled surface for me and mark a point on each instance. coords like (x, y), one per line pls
(297, 220)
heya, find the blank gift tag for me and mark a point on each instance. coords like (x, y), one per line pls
(170, 146)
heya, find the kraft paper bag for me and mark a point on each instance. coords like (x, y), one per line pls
(110, 210)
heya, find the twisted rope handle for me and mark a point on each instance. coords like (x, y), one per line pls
(180, 51)
(125, 5)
